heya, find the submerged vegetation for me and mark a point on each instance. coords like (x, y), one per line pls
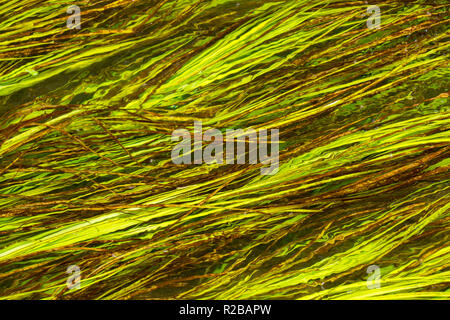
(86, 177)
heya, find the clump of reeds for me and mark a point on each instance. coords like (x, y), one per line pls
(86, 176)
